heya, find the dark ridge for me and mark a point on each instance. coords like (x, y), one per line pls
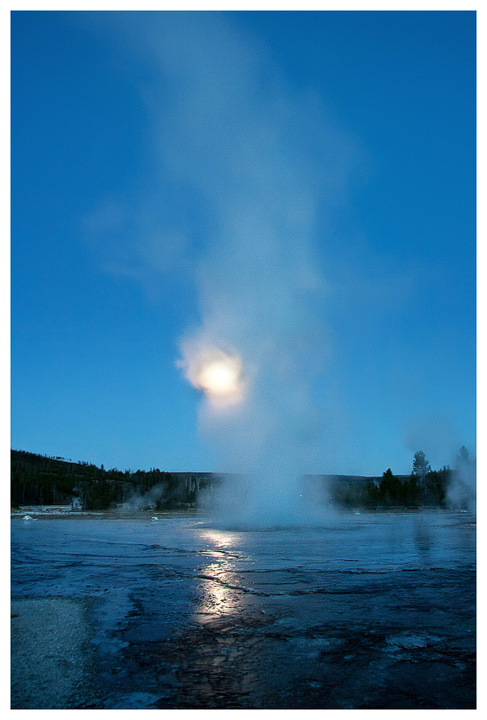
(42, 480)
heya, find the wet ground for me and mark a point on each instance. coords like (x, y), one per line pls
(373, 610)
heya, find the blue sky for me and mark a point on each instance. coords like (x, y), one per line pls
(296, 186)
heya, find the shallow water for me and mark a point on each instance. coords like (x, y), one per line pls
(372, 610)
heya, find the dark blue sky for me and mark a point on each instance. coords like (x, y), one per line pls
(297, 181)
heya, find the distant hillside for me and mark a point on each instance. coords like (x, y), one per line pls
(40, 480)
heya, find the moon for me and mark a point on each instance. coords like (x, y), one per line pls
(219, 375)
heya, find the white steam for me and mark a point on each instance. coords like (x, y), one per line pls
(462, 490)
(261, 166)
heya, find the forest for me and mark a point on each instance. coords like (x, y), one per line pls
(447, 487)
(41, 480)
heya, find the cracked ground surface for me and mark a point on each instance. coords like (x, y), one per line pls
(369, 611)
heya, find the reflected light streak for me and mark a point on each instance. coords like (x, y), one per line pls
(220, 538)
(221, 590)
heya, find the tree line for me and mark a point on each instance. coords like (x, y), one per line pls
(41, 480)
(423, 487)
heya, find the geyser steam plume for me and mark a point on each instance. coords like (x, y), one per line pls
(267, 165)
(267, 162)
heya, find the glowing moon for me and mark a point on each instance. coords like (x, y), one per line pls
(218, 374)
(220, 377)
